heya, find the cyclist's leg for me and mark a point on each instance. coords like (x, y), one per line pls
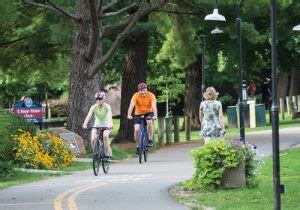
(93, 137)
(137, 128)
(150, 129)
(107, 148)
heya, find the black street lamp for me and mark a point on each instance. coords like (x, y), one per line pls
(275, 118)
(242, 100)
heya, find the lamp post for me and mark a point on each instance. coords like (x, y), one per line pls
(275, 118)
(241, 95)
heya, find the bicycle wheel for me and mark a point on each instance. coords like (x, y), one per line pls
(96, 158)
(141, 146)
(145, 155)
(105, 165)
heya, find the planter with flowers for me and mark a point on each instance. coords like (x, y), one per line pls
(224, 163)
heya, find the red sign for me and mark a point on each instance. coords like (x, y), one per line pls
(29, 113)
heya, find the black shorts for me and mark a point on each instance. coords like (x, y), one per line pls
(138, 121)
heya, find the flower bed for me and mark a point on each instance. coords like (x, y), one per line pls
(41, 151)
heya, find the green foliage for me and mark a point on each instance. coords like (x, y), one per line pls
(211, 160)
(6, 169)
(33, 51)
(169, 84)
(226, 100)
(252, 165)
(9, 125)
(180, 46)
(216, 156)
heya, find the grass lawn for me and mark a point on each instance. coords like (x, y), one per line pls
(261, 197)
(21, 177)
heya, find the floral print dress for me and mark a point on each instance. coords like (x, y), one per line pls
(210, 125)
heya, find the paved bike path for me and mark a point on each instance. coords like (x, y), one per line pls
(129, 185)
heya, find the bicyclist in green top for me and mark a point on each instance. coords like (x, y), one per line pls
(103, 118)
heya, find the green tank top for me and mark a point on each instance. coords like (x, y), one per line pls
(101, 117)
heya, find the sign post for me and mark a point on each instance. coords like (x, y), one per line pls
(30, 110)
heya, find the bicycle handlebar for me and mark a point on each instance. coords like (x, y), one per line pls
(100, 128)
(142, 117)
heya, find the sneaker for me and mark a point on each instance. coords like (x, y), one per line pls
(107, 157)
(150, 143)
(137, 152)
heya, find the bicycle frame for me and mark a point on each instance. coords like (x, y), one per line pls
(98, 152)
(144, 134)
(143, 137)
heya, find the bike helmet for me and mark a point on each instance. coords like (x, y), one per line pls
(100, 95)
(142, 86)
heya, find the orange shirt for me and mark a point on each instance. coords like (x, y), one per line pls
(143, 103)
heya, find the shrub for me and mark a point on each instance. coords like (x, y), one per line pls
(210, 162)
(214, 157)
(9, 124)
(41, 151)
(6, 168)
(226, 100)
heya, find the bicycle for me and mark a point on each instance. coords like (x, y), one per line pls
(143, 138)
(98, 152)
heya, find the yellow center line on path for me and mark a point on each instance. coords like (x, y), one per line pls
(59, 199)
(71, 200)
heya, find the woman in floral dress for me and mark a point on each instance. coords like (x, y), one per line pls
(211, 116)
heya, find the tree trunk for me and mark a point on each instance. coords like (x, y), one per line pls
(283, 84)
(193, 92)
(135, 71)
(294, 83)
(81, 88)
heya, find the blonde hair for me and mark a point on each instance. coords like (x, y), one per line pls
(210, 94)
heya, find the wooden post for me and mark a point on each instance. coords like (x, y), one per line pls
(294, 99)
(298, 102)
(176, 129)
(161, 130)
(187, 128)
(49, 110)
(281, 103)
(168, 121)
(288, 108)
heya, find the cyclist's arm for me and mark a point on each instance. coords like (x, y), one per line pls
(110, 121)
(154, 107)
(130, 109)
(88, 117)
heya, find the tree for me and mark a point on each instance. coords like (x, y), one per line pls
(32, 59)
(87, 56)
(134, 72)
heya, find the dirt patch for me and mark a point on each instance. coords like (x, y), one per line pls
(187, 198)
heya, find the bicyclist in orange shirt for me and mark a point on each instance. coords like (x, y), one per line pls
(144, 103)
